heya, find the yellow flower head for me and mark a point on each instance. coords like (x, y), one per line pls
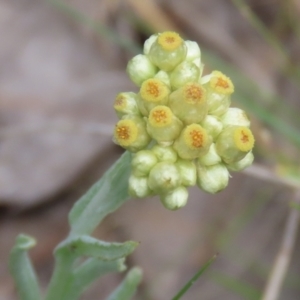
(221, 83)
(194, 93)
(195, 137)
(169, 40)
(120, 102)
(160, 116)
(126, 132)
(154, 90)
(243, 138)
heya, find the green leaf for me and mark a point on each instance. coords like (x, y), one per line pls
(22, 270)
(128, 287)
(89, 271)
(91, 247)
(193, 279)
(104, 197)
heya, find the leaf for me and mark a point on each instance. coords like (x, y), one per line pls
(91, 247)
(193, 279)
(104, 197)
(128, 287)
(22, 270)
(89, 271)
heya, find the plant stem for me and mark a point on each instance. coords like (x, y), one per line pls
(62, 278)
(273, 287)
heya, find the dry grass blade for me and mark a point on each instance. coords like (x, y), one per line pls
(278, 273)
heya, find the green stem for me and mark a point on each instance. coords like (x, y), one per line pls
(62, 278)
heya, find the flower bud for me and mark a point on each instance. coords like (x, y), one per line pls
(234, 142)
(212, 179)
(163, 126)
(193, 51)
(219, 88)
(142, 162)
(130, 133)
(148, 43)
(192, 142)
(140, 68)
(185, 72)
(212, 125)
(187, 171)
(167, 154)
(175, 199)
(167, 51)
(163, 177)
(154, 92)
(138, 187)
(189, 103)
(164, 77)
(235, 116)
(242, 164)
(125, 104)
(210, 158)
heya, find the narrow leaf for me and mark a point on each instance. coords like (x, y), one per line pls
(91, 247)
(89, 271)
(22, 270)
(104, 197)
(194, 278)
(128, 287)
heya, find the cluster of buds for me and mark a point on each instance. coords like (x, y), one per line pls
(179, 125)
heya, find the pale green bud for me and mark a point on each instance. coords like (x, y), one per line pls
(167, 154)
(234, 142)
(138, 187)
(163, 177)
(142, 162)
(164, 77)
(126, 104)
(219, 88)
(188, 103)
(163, 126)
(212, 125)
(212, 179)
(192, 142)
(167, 51)
(131, 134)
(241, 164)
(210, 158)
(187, 171)
(140, 68)
(175, 199)
(148, 43)
(235, 116)
(193, 51)
(185, 72)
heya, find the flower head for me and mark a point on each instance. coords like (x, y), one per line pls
(180, 125)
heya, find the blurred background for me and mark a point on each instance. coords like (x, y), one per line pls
(62, 62)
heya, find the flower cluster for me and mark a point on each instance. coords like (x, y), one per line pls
(179, 125)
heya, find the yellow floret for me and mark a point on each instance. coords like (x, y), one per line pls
(154, 90)
(120, 102)
(243, 139)
(221, 83)
(126, 132)
(169, 40)
(194, 93)
(160, 116)
(195, 137)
